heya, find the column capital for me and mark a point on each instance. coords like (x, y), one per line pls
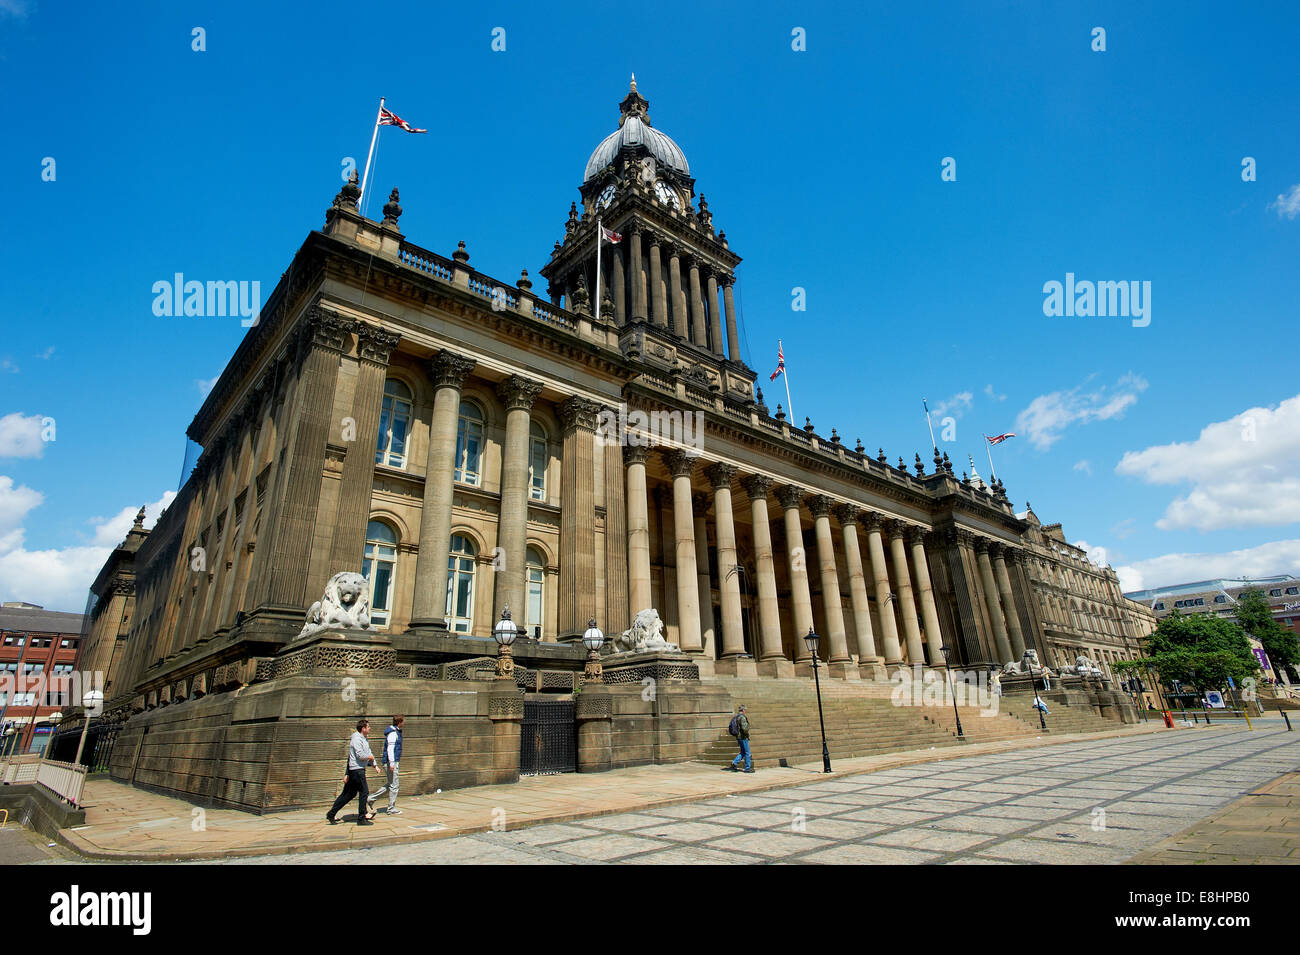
(847, 514)
(518, 393)
(965, 537)
(916, 534)
(635, 228)
(1013, 554)
(450, 370)
(790, 496)
(820, 505)
(635, 454)
(578, 412)
(873, 520)
(756, 486)
(672, 248)
(324, 329)
(680, 463)
(996, 550)
(982, 544)
(897, 528)
(720, 475)
(700, 504)
(375, 344)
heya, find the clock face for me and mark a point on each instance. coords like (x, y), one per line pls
(606, 197)
(667, 195)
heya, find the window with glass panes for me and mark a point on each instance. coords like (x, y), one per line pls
(394, 424)
(460, 584)
(536, 595)
(380, 570)
(469, 443)
(537, 458)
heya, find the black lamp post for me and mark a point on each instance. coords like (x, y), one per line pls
(811, 640)
(1038, 701)
(947, 659)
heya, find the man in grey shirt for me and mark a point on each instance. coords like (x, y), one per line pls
(359, 757)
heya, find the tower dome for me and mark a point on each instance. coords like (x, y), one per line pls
(634, 129)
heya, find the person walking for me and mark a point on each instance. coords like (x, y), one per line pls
(739, 728)
(354, 783)
(391, 754)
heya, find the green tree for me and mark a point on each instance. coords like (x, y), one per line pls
(1209, 647)
(1256, 618)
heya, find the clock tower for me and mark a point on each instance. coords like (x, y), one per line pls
(668, 283)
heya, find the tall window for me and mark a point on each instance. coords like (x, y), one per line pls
(536, 597)
(394, 424)
(460, 584)
(538, 456)
(380, 569)
(469, 443)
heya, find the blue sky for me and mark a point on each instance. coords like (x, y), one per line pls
(1171, 450)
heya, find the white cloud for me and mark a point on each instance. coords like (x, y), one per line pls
(1125, 528)
(1243, 472)
(1083, 466)
(7, 364)
(1288, 203)
(48, 353)
(206, 385)
(20, 436)
(1097, 554)
(57, 578)
(1264, 560)
(1045, 420)
(988, 390)
(957, 405)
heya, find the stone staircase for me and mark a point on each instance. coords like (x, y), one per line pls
(861, 720)
(1061, 719)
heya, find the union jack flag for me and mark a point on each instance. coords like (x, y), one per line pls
(388, 118)
(612, 237)
(999, 438)
(780, 362)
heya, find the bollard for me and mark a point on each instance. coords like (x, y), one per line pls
(1288, 720)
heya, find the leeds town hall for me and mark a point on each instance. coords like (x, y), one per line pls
(398, 417)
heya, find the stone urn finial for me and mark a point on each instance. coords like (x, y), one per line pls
(351, 192)
(461, 255)
(524, 282)
(392, 211)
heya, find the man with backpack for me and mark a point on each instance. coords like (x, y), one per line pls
(390, 755)
(739, 728)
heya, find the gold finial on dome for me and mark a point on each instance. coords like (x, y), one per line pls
(633, 82)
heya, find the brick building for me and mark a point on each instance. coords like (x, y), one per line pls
(37, 647)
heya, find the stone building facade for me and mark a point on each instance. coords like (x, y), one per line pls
(471, 445)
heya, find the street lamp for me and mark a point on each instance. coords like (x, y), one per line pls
(947, 661)
(593, 639)
(504, 633)
(89, 702)
(811, 639)
(1039, 705)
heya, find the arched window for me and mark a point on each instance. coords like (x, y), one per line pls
(469, 443)
(460, 584)
(535, 579)
(394, 424)
(538, 457)
(380, 569)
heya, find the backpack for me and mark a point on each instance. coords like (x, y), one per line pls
(734, 726)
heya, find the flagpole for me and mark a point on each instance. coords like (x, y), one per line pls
(785, 374)
(600, 240)
(934, 444)
(370, 155)
(988, 447)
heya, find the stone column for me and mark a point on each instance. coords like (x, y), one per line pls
(618, 617)
(638, 530)
(733, 336)
(321, 340)
(715, 320)
(772, 661)
(638, 274)
(869, 662)
(656, 283)
(733, 631)
(680, 464)
(991, 600)
(680, 326)
(617, 286)
(837, 645)
(708, 632)
(429, 607)
(699, 333)
(577, 516)
(911, 624)
(790, 497)
(929, 613)
(884, 596)
(1009, 603)
(509, 585)
(374, 345)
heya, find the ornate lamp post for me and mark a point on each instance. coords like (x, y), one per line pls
(811, 640)
(1038, 701)
(593, 639)
(504, 633)
(947, 659)
(89, 702)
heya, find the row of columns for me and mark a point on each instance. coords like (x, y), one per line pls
(679, 301)
(904, 541)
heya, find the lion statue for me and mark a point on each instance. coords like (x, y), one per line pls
(1083, 666)
(1028, 665)
(646, 633)
(345, 605)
